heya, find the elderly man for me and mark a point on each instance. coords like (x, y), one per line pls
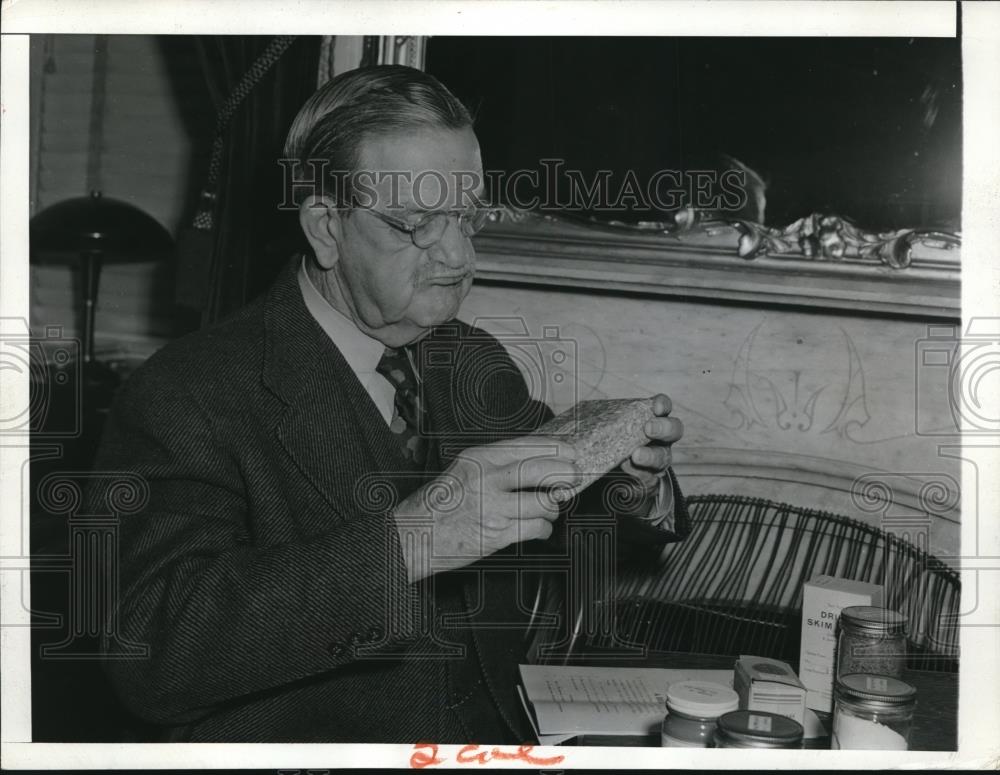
(342, 494)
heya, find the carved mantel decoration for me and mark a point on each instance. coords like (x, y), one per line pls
(822, 260)
(819, 236)
(832, 238)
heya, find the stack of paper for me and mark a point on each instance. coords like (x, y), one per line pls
(563, 702)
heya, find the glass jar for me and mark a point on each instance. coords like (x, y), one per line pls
(692, 709)
(871, 640)
(872, 712)
(757, 729)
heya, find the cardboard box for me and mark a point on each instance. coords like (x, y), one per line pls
(823, 598)
(769, 685)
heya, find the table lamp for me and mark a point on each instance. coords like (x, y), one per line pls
(88, 232)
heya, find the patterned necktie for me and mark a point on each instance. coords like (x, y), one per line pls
(407, 416)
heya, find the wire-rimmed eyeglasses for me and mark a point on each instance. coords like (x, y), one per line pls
(431, 226)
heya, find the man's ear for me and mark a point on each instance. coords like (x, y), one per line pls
(322, 224)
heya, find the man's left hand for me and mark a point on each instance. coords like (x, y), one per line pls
(648, 464)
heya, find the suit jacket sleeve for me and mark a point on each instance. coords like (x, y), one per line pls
(224, 619)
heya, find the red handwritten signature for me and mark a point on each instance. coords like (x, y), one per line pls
(426, 755)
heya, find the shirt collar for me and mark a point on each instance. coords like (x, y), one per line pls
(361, 351)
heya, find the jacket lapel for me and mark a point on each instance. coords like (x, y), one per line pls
(458, 424)
(330, 427)
(436, 356)
(454, 423)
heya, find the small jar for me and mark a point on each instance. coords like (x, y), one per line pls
(692, 708)
(872, 712)
(757, 729)
(871, 640)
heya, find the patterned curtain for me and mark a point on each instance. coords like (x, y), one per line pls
(240, 238)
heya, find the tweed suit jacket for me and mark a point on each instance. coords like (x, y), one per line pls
(265, 571)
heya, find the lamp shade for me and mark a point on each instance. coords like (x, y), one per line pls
(118, 231)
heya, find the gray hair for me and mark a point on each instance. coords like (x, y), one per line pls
(358, 104)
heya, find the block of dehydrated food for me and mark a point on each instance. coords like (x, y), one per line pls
(603, 432)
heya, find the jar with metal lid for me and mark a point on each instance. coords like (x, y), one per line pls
(871, 640)
(692, 709)
(872, 712)
(757, 729)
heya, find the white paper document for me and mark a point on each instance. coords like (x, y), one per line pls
(563, 702)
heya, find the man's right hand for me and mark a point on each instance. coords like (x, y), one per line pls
(490, 497)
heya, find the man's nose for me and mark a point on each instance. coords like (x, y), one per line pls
(453, 249)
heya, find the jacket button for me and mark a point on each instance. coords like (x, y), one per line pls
(374, 635)
(336, 649)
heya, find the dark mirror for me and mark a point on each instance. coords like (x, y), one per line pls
(866, 128)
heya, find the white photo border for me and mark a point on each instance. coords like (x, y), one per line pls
(980, 27)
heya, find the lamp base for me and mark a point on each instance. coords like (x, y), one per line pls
(99, 384)
(99, 377)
